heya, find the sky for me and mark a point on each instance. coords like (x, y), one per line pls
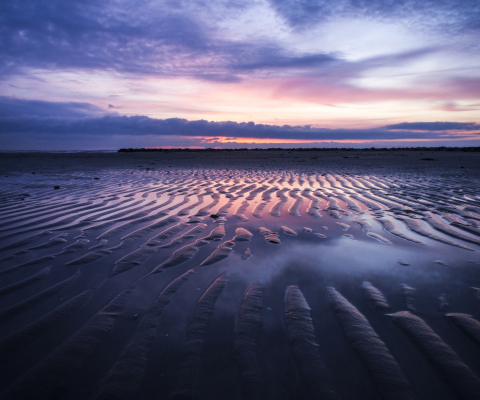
(107, 74)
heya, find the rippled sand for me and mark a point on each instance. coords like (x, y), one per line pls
(240, 275)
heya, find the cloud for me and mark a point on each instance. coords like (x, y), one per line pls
(436, 126)
(285, 53)
(451, 106)
(163, 39)
(14, 108)
(458, 15)
(336, 88)
(70, 119)
(183, 38)
(274, 59)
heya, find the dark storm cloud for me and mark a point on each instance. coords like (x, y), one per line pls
(70, 119)
(436, 126)
(458, 15)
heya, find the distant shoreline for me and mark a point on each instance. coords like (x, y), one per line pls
(183, 149)
(469, 149)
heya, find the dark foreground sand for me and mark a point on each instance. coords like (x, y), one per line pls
(240, 275)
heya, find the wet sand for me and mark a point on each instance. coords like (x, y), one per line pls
(244, 275)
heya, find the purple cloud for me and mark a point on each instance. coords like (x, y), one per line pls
(172, 40)
(11, 107)
(458, 15)
(436, 126)
(101, 35)
(68, 119)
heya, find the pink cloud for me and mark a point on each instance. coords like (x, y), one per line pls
(331, 92)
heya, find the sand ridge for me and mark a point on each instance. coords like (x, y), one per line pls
(229, 272)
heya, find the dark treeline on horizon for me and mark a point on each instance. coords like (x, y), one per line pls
(442, 148)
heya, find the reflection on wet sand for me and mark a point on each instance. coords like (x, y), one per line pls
(240, 283)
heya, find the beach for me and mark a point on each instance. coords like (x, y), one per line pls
(266, 274)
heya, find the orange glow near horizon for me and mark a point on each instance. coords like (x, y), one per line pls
(293, 141)
(175, 147)
(226, 142)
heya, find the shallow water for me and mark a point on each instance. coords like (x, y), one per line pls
(98, 300)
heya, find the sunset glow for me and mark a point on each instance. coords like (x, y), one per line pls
(347, 66)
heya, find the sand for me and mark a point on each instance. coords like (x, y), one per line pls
(243, 275)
